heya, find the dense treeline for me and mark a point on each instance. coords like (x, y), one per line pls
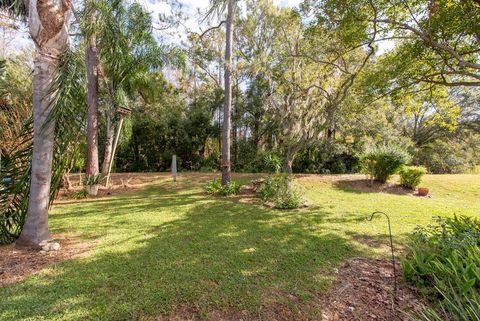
(296, 94)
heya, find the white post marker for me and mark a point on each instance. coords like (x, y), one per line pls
(174, 168)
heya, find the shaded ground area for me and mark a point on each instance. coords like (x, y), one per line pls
(364, 291)
(18, 263)
(357, 183)
(121, 183)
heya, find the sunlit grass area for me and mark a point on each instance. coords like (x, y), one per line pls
(168, 247)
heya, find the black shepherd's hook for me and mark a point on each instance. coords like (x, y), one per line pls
(393, 255)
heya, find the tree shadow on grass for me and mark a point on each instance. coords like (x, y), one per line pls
(361, 186)
(219, 255)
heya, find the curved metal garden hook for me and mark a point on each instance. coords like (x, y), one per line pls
(393, 255)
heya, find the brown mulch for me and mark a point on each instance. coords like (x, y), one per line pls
(363, 291)
(360, 183)
(18, 263)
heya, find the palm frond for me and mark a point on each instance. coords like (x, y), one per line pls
(16, 8)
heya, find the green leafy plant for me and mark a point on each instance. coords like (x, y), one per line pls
(93, 180)
(232, 188)
(411, 176)
(273, 163)
(443, 261)
(80, 194)
(381, 162)
(279, 190)
(215, 187)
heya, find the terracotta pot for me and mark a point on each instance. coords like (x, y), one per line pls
(422, 191)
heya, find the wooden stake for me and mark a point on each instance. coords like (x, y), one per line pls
(117, 137)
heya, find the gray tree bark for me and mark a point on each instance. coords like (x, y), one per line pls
(91, 55)
(227, 106)
(290, 157)
(48, 24)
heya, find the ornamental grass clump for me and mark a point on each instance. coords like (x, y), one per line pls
(279, 190)
(411, 176)
(381, 162)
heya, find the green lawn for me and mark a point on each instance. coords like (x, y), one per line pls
(162, 250)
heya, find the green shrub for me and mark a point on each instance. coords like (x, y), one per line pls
(273, 163)
(381, 162)
(215, 187)
(411, 176)
(230, 189)
(443, 261)
(279, 190)
(80, 194)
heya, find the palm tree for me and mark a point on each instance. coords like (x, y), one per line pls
(92, 66)
(48, 23)
(44, 148)
(220, 6)
(127, 54)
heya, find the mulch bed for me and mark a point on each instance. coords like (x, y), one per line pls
(363, 291)
(18, 263)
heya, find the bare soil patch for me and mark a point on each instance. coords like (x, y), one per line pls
(18, 263)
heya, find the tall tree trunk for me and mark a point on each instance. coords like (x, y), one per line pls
(48, 23)
(92, 101)
(107, 156)
(227, 106)
(290, 157)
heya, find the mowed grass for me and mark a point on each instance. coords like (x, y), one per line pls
(166, 249)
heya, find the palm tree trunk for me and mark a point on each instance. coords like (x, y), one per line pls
(227, 107)
(48, 24)
(92, 101)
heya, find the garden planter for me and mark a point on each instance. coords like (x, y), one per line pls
(92, 190)
(422, 191)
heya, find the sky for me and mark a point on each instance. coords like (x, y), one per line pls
(190, 8)
(193, 10)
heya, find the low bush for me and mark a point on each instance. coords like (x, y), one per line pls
(411, 176)
(381, 162)
(279, 190)
(215, 188)
(231, 188)
(443, 261)
(80, 194)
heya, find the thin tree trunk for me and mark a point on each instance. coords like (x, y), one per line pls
(227, 107)
(92, 101)
(48, 24)
(290, 157)
(107, 156)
